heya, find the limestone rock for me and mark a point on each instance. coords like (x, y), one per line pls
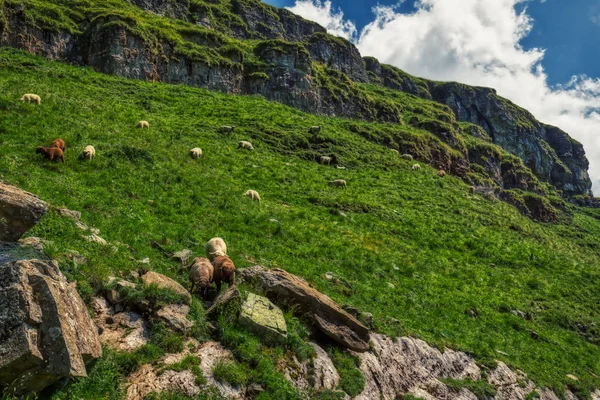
(114, 295)
(287, 289)
(74, 215)
(183, 256)
(146, 380)
(19, 212)
(125, 331)
(326, 376)
(165, 282)
(175, 317)
(96, 239)
(264, 318)
(510, 385)
(48, 334)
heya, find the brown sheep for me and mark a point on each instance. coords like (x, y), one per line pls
(201, 275)
(441, 173)
(224, 271)
(58, 143)
(52, 153)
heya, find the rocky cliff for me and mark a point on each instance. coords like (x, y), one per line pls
(289, 60)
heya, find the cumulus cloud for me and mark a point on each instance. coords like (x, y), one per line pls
(477, 43)
(323, 14)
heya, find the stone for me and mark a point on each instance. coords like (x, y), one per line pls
(367, 318)
(123, 331)
(510, 384)
(19, 212)
(289, 290)
(147, 380)
(81, 226)
(93, 238)
(263, 318)
(48, 334)
(174, 316)
(165, 282)
(145, 261)
(74, 215)
(231, 294)
(118, 284)
(325, 374)
(35, 242)
(183, 256)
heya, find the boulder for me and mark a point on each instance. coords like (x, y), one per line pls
(114, 295)
(46, 332)
(74, 215)
(174, 316)
(325, 374)
(231, 294)
(19, 212)
(164, 282)
(93, 238)
(263, 318)
(286, 289)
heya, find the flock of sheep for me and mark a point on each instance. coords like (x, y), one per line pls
(216, 268)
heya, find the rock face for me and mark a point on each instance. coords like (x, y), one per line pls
(45, 331)
(262, 317)
(284, 288)
(19, 212)
(174, 316)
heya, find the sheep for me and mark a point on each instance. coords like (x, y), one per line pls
(215, 247)
(407, 157)
(226, 129)
(224, 271)
(395, 151)
(315, 129)
(201, 275)
(143, 124)
(416, 167)
(338, 183)
(58, 143)
(253, 194)
(88, 153)
(196, 152)
(52, 153)
(245, 145)
(326, 160)
(441, 173)
(29, 97)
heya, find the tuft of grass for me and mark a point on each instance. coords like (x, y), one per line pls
(231, 372)
(351, 379)
(480, 388)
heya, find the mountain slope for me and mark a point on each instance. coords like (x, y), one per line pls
(418, 251)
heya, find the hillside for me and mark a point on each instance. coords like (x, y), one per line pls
(419, 252)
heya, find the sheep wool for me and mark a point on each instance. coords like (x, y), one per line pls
(51, 153)
(224, 271)
(416, 167)
(31, 98)
(196, 152)
(338, 183)
(326, 160)
(58, 143)
(88, 153)
(201, 275)
(215, 247)
(143, 124)
(245, 145)
(253, 194)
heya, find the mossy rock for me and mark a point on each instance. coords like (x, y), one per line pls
(263, 318)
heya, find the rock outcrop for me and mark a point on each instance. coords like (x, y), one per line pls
(45, 331)
(19, 212)
(261, 316)
(286, 289)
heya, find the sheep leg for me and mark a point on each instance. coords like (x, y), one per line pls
(219, 287)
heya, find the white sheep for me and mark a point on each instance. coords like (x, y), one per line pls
(315, 129)
(143, 124)
(226, 129)
(215, 247)
(253, 194)
(338, 183)
(416, 167)
(326, 160)
(196, 152)
(30, 97)
(407, 157)
(245, 145)
(88, 153)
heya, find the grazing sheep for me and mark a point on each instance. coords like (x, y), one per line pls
(338, 183)
(245, 145)
(52, 153)
(441, 173)
(201, 275)
(29, 97)
(196, 152)
(253, 194)
(143, 124)
(58, 143)
(407, 157)
(227, 129)
(326, 160)
(88, 153)
(224, 271)
(315, 129)
(215, 247)
(416, 167)
(395, 151)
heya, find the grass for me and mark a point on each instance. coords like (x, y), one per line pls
(480, 388)
(351, 379)
(444, 251)
(231, 372)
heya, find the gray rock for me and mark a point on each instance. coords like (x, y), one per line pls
(264, 318)
(19, 212)
(174, 316)
(74, 215)
(93, 238)
(183, 256)
(48, 334)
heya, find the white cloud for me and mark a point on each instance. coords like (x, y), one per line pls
(476, 42)
(322, 13)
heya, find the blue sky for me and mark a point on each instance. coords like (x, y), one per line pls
(569, 31)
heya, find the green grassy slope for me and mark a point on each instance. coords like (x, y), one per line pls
(448, 255)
